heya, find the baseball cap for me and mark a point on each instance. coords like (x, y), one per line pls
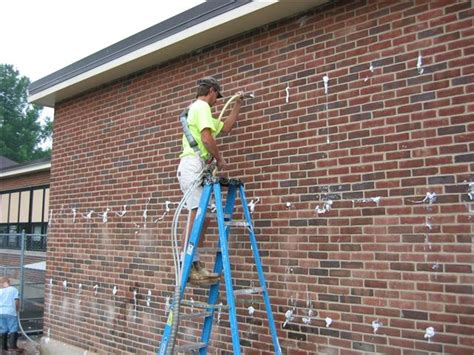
(210, 81)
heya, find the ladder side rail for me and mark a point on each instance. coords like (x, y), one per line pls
(261, 277)
(214, 290)
(188, 258)
(227, 273)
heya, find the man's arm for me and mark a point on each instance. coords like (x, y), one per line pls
(230, 121)
(211, 146)
(17, 305)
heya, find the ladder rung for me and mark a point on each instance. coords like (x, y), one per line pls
(209, 250)
(202, 305)
(189, 347)
(248, 291)
(187, 316)
(237, 223)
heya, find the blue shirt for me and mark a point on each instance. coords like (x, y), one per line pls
(8, 296)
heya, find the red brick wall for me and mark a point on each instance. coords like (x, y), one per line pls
(26, 180)
(392, 133)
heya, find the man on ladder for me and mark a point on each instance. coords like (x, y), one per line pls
(199, 185)
(202, 129)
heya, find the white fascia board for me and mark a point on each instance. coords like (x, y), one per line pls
(26, 170)
(239, 20)
(155, 47)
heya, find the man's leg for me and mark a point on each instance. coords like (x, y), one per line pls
(188, 172)
(198, 271)
(12, 332)
(4, 331)
(4, 341)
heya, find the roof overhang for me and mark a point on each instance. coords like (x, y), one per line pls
(23, 170)
(203, 25)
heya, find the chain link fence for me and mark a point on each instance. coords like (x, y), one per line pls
(23, 261)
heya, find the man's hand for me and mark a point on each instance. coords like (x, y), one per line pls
(211, 145)
(240, 99)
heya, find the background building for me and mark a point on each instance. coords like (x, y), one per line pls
(365, 184)
(24, 201)
(24, 213)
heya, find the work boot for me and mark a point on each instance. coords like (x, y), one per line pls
(204, 272)
(198, 279)
(195, 278)
(12, 339)
(4, 341)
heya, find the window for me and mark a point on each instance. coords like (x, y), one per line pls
(4, 207)
(24, 215)
(24, 210)
(37, 210)
(14, 207)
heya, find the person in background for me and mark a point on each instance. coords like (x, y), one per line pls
(9, 307)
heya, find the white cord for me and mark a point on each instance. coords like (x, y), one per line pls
(23, 332)
(233, 98)
(174, 226)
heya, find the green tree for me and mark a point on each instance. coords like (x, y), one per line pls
(21, 131)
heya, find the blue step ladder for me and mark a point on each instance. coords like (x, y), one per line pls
(213, 185)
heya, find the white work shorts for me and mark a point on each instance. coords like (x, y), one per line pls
(188, 171)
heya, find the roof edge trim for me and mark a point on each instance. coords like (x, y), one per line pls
(25, 170)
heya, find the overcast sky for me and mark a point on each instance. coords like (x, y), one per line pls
(40, 37)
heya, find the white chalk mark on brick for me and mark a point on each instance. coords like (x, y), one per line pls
(429, 333)
(219, 313)
(326, 83)
(371, 68)
(123, 212)
(289, 316)
(470, 192)
(376, 325)
(145, 212)
(251, 310)
(104, 215)
(325, 208)
(148, 298)
(50, 219)
(419, 65)
(430, 197)
(252, 204)
(371, 199)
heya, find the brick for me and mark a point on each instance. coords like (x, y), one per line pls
(464, 158)
(414, 314)
(375, 284)
(422, 97)
(364, 346)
